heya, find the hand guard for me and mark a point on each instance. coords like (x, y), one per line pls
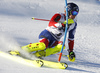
(71, 56)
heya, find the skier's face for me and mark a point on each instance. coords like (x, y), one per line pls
(70, 16)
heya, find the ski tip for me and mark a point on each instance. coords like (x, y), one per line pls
(64, 65)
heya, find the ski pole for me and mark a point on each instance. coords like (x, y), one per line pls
(40, 19)
(65, 33)
(45, 20)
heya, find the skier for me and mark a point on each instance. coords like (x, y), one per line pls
(49, 39)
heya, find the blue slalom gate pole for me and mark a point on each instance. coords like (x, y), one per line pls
(65, 32)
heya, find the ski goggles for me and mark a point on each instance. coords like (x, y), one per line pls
(74, 12)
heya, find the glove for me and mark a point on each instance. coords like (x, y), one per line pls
(70, 21)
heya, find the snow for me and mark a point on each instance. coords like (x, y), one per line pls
(18, 29)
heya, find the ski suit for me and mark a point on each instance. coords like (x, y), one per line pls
(55, 30)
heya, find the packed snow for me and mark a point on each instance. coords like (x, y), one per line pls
(18, 29)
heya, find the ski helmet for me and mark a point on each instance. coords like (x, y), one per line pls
(73, 9)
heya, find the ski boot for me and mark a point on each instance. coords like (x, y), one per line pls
(48, 51)
(40, 54)
(71, 56)
(34, 47)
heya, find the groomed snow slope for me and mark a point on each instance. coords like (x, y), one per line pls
(18, 29)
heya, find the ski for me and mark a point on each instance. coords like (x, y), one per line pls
(33, 63)
(56, 65)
